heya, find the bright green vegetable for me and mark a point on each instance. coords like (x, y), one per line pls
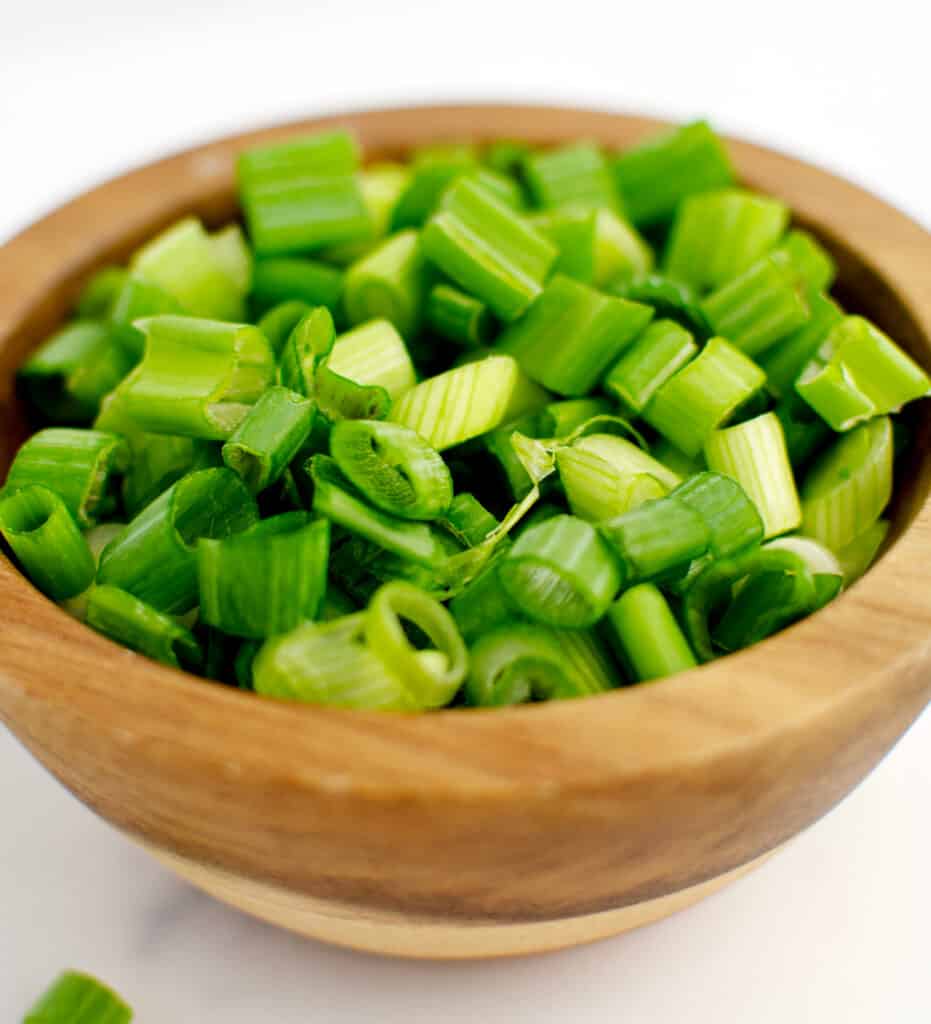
(648, 637)
(458, 317)
(662, 349)
(390, 283)
(576, 174)
(79, 999)
(290, 279)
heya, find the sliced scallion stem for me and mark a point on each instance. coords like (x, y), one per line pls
(98, 295)
(138, 299)
(649, 640)
(783, 363)
(572, 229)
(805, 432)
(374, 355)
(458, 317)
(812, 262)
(288, 279)
(732, 520)
(390, 283)
(79, 999)
(483, 604)
(657, 353)
(232, 253)
(468, 520)
(432, 172)
(621, 253)
(627, 458)
(860, 553)
(382, 185)
(597, 490)
(671, 300)
(577, 174)
(278, 323)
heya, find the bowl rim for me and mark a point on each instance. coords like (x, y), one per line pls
(865, 644)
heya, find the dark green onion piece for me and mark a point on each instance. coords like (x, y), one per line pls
(805, 432)
(488, 250)
(730, 517)
(138, 626)
(857, 556)
(572, 229)
(468, 520)
(670, 300)
(382, 185)
(506, 156)
(266, 580)
(483, 604)
(784, 362)
(572, 334)
(433, 171)
(559, 419)
(261, 447)
(458, 317)
(292, 279)
(389, 283)
(577, 173)
(662, 349)
(393, 467)
(66, 379)
(508, 466)
(278, 323)
(80, 466)
(155, 556)
(812, 262)
(650, 640)
(79, 999)
(244, 660)
(98, 295)
(47, 542)
(561, 573)
(657, 174)
(137, 300)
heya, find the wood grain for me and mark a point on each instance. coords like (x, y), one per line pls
(520, 816)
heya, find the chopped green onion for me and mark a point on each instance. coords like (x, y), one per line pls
(627, 457)
(561, 573)
(374, 355)
(812, 262)
(467, 401)
(506, 155)
(859, 373)
(650, 641)
(849, 485)
(154, 558)
(458, 317)
(288, 279)
(675, 460)
(322, 153)
(278, 323)
(488, 249)
(508, 465)
(820, 560)
(137, 300)
(389, 282)
(760, 306)
(98, 295)
(754, 454)
(504, 188)
(232, 253)
(183, 261)
(597, 490)
(80, 466)
(261, 447)
(621, 253)
(577, 174)
(393, 467)
(572, 229)
(560, 419)
(46, 541)
(381, 185)
(572, 334)
(718, 235)
(266, 580)
(433, 171)
(483, 604)
(198, 378)
(732, 520)
(79, 999)
(661, 350)
(703, 395)
(784, 362)
(138, 626)
(860, 553)
(805, 432)
(244, 660)
(656, 175)
(468, 520)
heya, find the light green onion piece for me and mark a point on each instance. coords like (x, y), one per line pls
(137, 300)
(703, 395)
(561, 573)
(670, 300)
(760, 306)
(266, 580)
(433, 170)
(649, 640)
(859, 373)
(98, 295)
(138, 626)
(627, 458)
(621, 252)
(232, 253)
(488, 250)
(664, 169)
(46, 541)
(849, 486)
(80, 466)
(857, 556)
(783, 363)
(155, 556)
(390, 283)
(812, 262)
(503, 187)
(374, 355)
(572, 334)
(199, 378)
(732, 520)
(334, 152)
(675, 460)
(431, 676)
(754, 454)
(382, 185)
(576, 174)
(261, 447)
(572, 229)
(468, 520)
(278, 323)
(718, 235)
(467, 401)
(458, 317)
(483, 604)
(657, 353)
(79, 999)
(597, 490)
(820, 560)
(288, 279)
(183, 261)
(393, 467)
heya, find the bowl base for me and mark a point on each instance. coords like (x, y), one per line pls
(393, 934)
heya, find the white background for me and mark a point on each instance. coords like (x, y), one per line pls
(832, 930)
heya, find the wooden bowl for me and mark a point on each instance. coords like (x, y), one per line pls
(460, 834)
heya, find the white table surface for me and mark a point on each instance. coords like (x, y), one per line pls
(833, 929)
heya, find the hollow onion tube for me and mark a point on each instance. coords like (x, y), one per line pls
(717, 235)
(266, 580)
(467, 401)
(393, 467)
(389, 283)
(155, 556)
(670, 300)
(458, 317)
(572, 334)
(433, 170)
(597, 490)
(649, 640)
(138, 626)
(335, 152)
(859, 373)
(577, 173)
(263, 445)
(703, 395)
(620, 251)
(811, 261)
(561, 573)
(46, 541)
(760, 306)
(849, 485)
(483, 604)
(232, 253)
(137, 300)
(66, 379)
(519, 662)
(488, 250)
(506, 155)
(783, 363)
(627, 458)
(199, 378)
(432, 676)
(805, 432)
(335, 499)
(278, 323)
(288, 279)
(80, 466)
(665, 168)
(731, 518)
(183, 262)
(99, 293)
(382, 185)
(78, 999)
(468, 520)
(374, 354)
(572, 230)
(754, 454)
(657, 353)
(857, 556)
